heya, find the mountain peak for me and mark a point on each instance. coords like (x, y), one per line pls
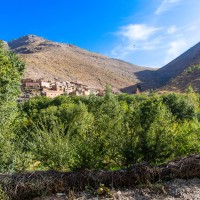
(48, 59)
(25, 40)
(31, 37)
(30, 44)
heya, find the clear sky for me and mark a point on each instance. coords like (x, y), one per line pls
(145, 32)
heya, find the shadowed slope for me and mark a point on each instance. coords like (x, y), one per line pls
(184, 80)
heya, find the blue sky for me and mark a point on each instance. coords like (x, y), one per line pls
(145, 32)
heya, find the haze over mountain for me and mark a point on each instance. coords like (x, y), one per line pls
(49, 60)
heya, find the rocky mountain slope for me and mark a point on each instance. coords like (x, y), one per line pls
(49, 60)
(176, 67)
(189, 77)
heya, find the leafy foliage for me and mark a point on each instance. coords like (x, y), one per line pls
(11, 70)
(109, 132)
(181, 106)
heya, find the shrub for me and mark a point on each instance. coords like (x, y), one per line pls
(51, 146)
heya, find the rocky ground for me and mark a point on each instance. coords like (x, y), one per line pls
(177, 189)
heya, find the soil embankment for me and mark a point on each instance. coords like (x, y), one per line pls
(32, 185)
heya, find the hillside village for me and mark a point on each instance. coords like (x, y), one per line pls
(53, 88)
(49, 60)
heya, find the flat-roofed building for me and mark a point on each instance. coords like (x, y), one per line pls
(52, 93)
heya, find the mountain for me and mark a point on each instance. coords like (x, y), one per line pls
(182, 72)
(176, 67)
(47, 59)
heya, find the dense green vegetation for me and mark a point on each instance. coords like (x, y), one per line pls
(11, 70)
(109, 132)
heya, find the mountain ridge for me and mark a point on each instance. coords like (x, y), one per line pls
(179, 64)
(48, 59)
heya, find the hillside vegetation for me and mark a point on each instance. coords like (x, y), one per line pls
(190, 77)
(109, 132)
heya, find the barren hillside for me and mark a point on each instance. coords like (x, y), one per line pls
(49, 60)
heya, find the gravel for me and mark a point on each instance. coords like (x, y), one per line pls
(177, 189)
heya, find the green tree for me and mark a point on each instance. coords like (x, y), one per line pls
(10, 75)
(180, 105)
(11, 69)
(161, 136)
(51, 146)
(189, 89)
(187, 138)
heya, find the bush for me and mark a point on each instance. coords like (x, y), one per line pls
(51, 146)
(180, 106)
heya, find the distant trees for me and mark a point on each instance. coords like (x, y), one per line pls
(192, 69)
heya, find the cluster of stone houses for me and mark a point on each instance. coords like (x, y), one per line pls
(54, 88)
(31, 88)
